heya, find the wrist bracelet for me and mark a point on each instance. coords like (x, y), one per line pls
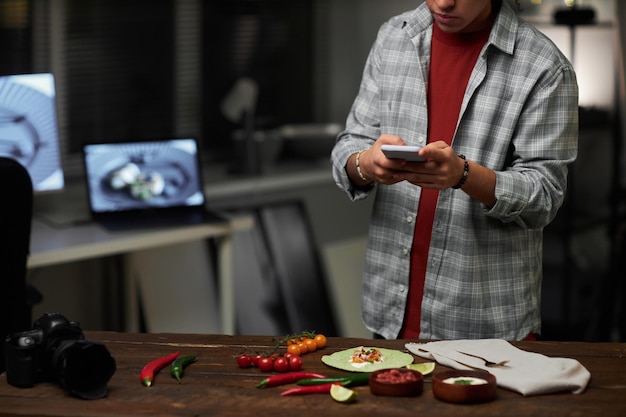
(358, 166)
(465, 173)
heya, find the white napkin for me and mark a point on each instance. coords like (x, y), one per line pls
(526, 372)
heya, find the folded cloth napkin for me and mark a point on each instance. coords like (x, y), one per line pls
(525, 372)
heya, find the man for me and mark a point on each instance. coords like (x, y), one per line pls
(455, 243)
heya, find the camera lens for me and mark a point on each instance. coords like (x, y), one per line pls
(84, 368)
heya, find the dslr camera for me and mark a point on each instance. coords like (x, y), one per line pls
(55, 350)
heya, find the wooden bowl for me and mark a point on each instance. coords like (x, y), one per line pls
(446, 386)
(396, 382)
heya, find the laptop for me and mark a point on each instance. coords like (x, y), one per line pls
(155, 183)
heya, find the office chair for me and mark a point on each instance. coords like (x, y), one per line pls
(16, 297)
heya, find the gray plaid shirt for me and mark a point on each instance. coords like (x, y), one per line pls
(519, 117)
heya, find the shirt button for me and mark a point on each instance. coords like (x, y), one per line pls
(421, 140)
(405, 251)
(401, 288)
(409, 219)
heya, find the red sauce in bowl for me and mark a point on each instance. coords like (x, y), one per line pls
(397, 382)
(394, 376)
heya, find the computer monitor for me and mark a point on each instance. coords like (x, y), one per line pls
(29, 127)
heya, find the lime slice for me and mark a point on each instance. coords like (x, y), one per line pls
(423, 368)
(342, 394)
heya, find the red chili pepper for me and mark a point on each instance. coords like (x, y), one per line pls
(311, 389)
(288, 378)
(148, 371)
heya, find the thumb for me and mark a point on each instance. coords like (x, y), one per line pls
(435, 151)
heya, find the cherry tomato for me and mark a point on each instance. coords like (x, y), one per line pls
(303, 347)
(311, 346)
(320, 340)
(244, 361)
(266, 364)
(294, 350)
(281, 364)
(256, 359)
(295, 363)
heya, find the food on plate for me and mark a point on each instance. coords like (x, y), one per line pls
(363, 356)
(390, 359)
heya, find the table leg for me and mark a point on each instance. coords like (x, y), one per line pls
(227, 284)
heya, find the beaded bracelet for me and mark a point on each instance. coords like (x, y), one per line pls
(358, 166)
(465, 173)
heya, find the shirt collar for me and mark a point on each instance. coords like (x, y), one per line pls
(503, 33)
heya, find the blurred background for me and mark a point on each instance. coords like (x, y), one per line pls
(282, 75)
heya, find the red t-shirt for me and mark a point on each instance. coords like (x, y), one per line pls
(452, 60)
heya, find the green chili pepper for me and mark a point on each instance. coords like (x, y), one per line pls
(361, 378)
(179, 365)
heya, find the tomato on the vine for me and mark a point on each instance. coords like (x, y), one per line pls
(256, 359)
(244, 361)
(295, 363)
(266, 364)
(320, 340)
(294, 350)
(281, 364)
(303, 347)
(311, 346)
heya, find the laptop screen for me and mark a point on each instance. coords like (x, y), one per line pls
(29, 129)
(133, 176)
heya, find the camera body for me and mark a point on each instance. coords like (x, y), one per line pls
(55, 349)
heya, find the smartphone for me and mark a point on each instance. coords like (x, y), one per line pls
(406, 152)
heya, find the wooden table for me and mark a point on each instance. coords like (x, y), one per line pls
(215, 386)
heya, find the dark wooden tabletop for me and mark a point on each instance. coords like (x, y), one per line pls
(215, 386)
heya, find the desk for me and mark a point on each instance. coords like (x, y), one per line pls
(51, 246)
(214, 385)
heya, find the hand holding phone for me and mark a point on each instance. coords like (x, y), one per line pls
(406, 152)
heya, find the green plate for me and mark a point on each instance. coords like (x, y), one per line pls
(393, 359)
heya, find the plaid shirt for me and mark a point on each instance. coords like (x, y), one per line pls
(519, 117)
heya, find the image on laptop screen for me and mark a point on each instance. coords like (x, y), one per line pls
(28, 127)
(143, 175)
